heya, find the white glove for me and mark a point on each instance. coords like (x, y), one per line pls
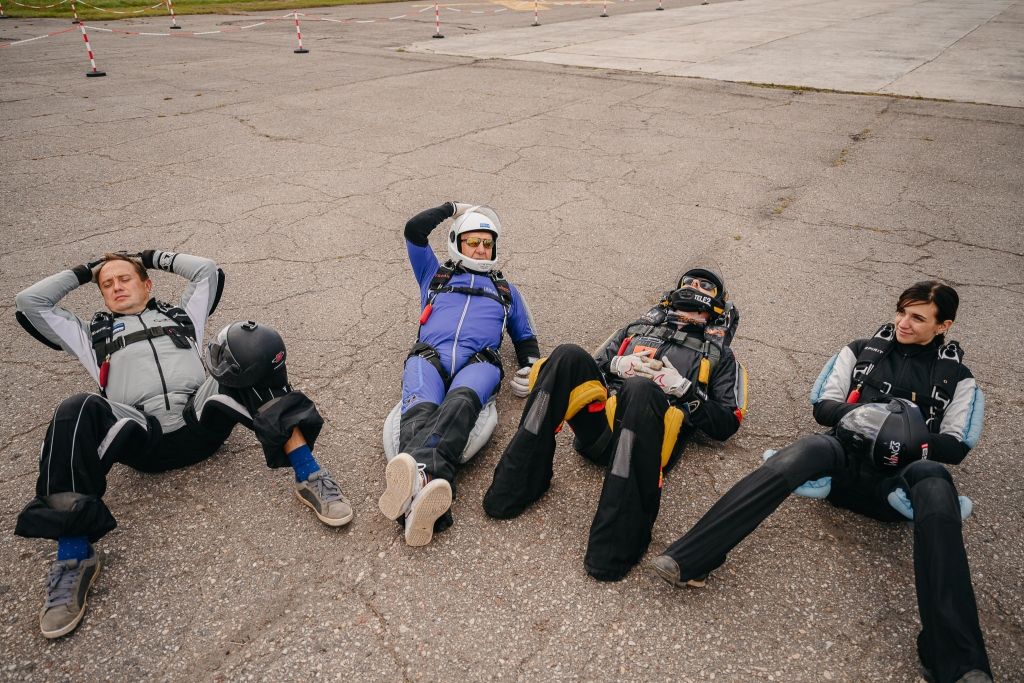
(668, 378)
(461, 208)
(520, 384)
(631, 365)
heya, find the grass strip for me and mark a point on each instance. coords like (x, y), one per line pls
(181, 7)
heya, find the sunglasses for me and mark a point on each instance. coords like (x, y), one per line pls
(474, 242)
(706, 285)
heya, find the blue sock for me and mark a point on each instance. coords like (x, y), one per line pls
(303, 463)
(73, 548)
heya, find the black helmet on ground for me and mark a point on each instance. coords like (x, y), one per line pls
(700, 276)
(890, 435)
(247, 354)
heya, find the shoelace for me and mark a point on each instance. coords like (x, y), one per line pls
(60, 587)
(327, 489)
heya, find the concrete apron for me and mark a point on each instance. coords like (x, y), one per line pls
(945, 49)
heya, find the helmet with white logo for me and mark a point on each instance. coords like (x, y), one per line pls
(479, 218)
(888, 435)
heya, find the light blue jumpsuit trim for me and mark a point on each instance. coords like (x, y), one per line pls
(819, 384)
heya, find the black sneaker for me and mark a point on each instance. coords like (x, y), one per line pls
(666, 568)
(66, 590)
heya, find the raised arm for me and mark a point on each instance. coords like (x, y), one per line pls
(55, 326)
(417, 230)
(203, 289)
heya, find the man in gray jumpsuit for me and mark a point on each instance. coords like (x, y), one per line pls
(156, 410)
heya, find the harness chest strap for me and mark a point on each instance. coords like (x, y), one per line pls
(711, 352)
(104, 345)
(440, 285)
(945, 373)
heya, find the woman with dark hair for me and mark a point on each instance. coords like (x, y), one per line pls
(898, 405)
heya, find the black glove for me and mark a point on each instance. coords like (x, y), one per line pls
(164, 263)
(88, 272)
(695, 398)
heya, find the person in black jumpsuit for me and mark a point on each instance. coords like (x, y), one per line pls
(627, 417)
(950, 645)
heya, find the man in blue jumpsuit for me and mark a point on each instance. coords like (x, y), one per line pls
(454, 367)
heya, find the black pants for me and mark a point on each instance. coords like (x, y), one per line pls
(631, 495)
(88, 434)
(950, 643)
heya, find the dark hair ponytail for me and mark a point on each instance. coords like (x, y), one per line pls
(944, 297)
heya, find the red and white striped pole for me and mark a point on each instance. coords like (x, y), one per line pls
(605, 12)
(2, 15)
(174, 22)
(298, 33)
(660, 8)
(88, 47)
(437, 22)
(74, 12)
(536, 20)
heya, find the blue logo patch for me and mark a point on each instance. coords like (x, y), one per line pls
(485, 225)
(118, 327)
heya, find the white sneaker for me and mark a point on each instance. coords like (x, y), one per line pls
(404, 480)
(429, 503)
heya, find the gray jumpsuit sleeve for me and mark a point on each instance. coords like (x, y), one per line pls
(38, 304)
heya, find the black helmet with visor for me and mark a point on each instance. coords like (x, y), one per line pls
(247, 354)
(889, 434)
(700, 288)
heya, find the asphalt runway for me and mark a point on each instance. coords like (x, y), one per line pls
(297, 174)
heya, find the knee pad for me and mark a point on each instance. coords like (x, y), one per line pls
(590, 392)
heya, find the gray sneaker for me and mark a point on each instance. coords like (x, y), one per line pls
(66, 590)
(323, 494)
(666, 568)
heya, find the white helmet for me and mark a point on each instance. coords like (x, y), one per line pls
(475, 219)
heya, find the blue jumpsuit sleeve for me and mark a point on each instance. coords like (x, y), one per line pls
(522, 329)
(424, 266)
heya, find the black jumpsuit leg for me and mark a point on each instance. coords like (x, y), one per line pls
(412, 422)
(748, 503)
(950, 643)
(440, 441)
(524, 471)
(631, 495)
(84, 440)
